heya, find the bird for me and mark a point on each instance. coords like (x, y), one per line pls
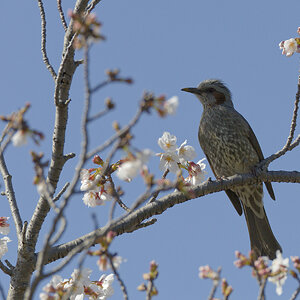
(231, 147)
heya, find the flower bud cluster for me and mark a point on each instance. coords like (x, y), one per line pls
(290, 46)
(96, 186)
(87, 28)
(150, 277)
(19, 125)
(275, 273)
(161, 104)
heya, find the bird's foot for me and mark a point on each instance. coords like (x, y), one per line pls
(221, 178)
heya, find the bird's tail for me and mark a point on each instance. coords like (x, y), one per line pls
(262, 239)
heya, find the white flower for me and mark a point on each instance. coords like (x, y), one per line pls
(91, 199)
(79, 280)
(3, 245)
(86, 183)
(288, 47)
(4, 226)
(55, 281)
(44, 296)
(106, 288)
(171, 105)
(103, 194)
(97, 196)
(196, 173)
(279, 269)
(129, 169)
(167, 142)
(186, 153)
(20, 138)
(169, 161)
(82, 276)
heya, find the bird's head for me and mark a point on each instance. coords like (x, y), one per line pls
(212, 92)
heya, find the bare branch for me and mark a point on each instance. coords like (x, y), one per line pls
(69, 156)
(297, 291)
(61, 96)
(108, 81)
(216, 283)
(43, 42)
(125, 224)
(57, 197)
(289, 145)
(10, 194)
(61, 14)
(117, 199)
(5, 269)
(98, 115)
(156, 194)
(122, 285)
(92, 5)
(262, 285)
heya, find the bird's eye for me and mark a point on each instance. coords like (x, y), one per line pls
(210, 90)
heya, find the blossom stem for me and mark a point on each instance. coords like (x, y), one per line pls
(122, 285)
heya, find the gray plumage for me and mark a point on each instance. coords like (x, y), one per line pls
(231, 148)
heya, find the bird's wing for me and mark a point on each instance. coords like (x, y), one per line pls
(254, 142)
(231, 195)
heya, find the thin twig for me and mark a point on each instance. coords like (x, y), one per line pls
(7, 142)
(62, 16)
(98, 115)
(121, 132)
(43, 41)
(105, 83)
(122, 285)
(10, 194)
(215, 285)
(262, 285)
(289, 145)
(100, 85)
(57, 197)
(5, 132)
(5, 269)
(117, 199)
(297, 291)
(153, 198)
(92, 5)
(149, 289)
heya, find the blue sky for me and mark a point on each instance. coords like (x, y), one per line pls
(164, 46)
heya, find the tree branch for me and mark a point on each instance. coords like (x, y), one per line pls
(10, 194)
(43, 41)
(125, 224)
(62, 16)
(289, 145)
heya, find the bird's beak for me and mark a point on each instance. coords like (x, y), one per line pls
(191, 90)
